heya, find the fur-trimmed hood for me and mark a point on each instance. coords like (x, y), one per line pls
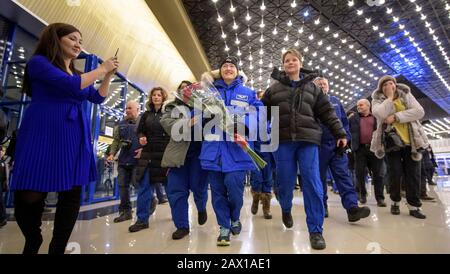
(402, 90)
(214, 75)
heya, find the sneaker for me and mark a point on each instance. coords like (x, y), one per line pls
(180, 233)
(427, 198)
(395, 210)
(202, 217)
(224, 237)
(3, 223)
(287, 219)
(236, 227)
(139, 225)
(153, 205)
(417, 213)
(317, 241)
(381, 203)
(356, 213)
(124, 216)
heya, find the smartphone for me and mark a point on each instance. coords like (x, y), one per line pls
(115, 55)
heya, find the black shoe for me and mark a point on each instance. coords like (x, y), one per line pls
(326, 212)
(202, 217)
(357, 213)
(426, 198)
(180, 233)
(124, 216)
(317, 241)
(224, 237)
(236, 227)
(3, 223)
(395, 210)
(363, 199)
(139, 225)
(432, 183)
(153, 206)
(381, 203)
(417, 213)
(287, 220)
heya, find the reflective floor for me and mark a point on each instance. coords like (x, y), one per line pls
(379, 233)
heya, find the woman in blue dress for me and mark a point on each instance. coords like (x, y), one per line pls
(54, 151)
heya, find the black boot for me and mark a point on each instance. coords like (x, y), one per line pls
(317, 241)
(287, 219)
(180, 233)
(202, 217)
(139, 225)
(356, 213)
(124, 216)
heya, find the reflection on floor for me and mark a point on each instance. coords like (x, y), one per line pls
(380, 233)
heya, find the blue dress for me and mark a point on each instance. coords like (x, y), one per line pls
(54, 150)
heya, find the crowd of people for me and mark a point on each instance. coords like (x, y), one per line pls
(54, 152)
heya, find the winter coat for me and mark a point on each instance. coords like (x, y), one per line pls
(301, 109)
(340, 113)
(152, 153)
(176, 151)
(382, 108)
(227, 156)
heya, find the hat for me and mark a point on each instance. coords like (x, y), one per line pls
(383, 80)
(230, 59)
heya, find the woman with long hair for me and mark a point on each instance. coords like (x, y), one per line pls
(54, 151)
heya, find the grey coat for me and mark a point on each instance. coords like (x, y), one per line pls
(176, 151)
(382, 108)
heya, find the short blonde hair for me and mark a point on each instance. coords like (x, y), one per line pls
(294, 52)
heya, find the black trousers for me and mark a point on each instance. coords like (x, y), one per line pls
(401, 165)
(28, 208)
(364, 158)
(126, 177)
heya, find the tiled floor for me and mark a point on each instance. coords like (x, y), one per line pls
(379, 233)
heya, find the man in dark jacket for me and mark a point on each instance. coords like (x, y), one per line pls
(301, 106)
(362, 125)
(335, 159)
(126, 140)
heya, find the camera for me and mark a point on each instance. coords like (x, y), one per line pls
(126, 144)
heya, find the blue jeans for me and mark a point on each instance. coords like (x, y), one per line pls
(307, 156)
(144, 197)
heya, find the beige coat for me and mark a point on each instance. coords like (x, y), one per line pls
(382, 108)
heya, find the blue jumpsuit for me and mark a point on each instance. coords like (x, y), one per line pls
(262, 180)
(192, 177)
(226, 162)
(338, 164)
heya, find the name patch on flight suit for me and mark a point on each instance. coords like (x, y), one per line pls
(240, 101)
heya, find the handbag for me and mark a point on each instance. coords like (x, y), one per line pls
(391, 140)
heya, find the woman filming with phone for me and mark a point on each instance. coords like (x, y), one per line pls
(54, 151)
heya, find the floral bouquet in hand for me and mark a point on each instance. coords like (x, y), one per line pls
(211, 100)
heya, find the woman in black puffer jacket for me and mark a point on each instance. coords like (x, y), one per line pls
(302, 105)
(149, 173)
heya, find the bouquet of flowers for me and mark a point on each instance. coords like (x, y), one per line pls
(211, 100)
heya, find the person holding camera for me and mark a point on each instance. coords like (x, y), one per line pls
(362, 126)
(399, 136)
(335, 159)
(126, 140)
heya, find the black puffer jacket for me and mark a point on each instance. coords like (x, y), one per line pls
(152, 153)
(301, 108)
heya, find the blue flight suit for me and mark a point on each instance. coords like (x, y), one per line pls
(338, 164)
(192, 177)
(226, 162)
